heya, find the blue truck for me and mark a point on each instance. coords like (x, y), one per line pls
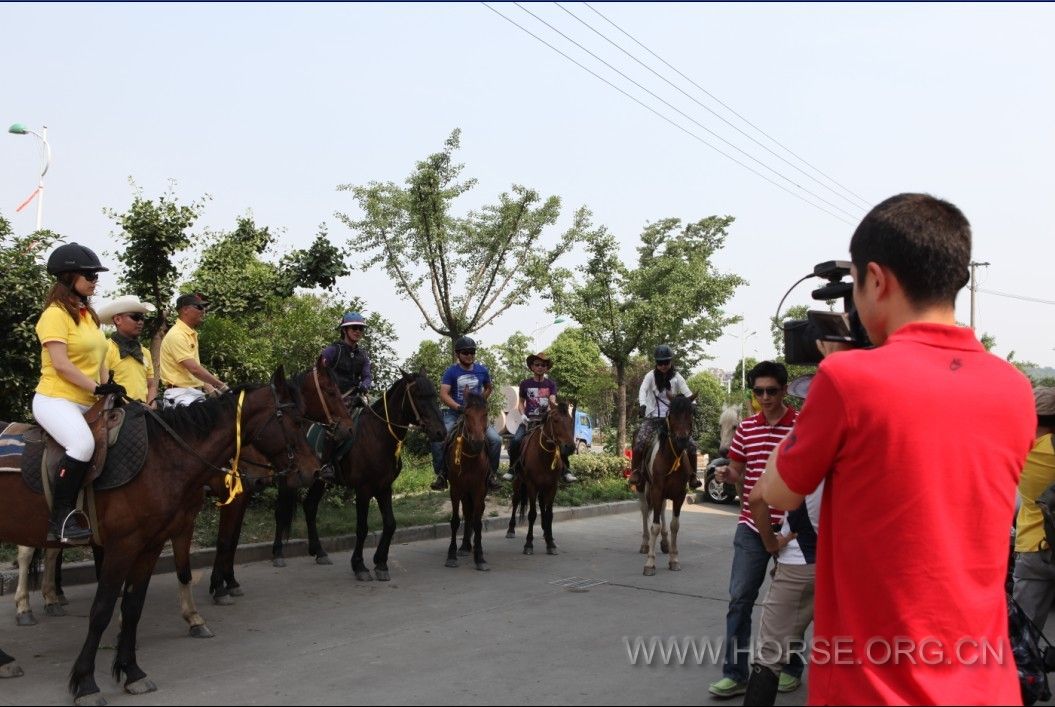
(583, 431)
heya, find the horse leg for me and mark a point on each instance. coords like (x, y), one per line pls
(529, 546)
(547, 519)
(23, 612)
(362, 527)
(388, 529)
(53, 599)
(285, 506)
(467, 512)
(8, 667)
(653, 533)
(664, 544)
(452, 551)
(645, 509)
(311, 512)
(63, 601)
(511, 532)
(181, 541)
(134, 596)
(675, 523)
(222, 584)
(478, 529)
(112, 577)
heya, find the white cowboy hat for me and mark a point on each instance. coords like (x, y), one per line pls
(124, 304)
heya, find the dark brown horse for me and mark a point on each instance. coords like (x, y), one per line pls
(465, 457)
(541, 466)
(667, 468)
(370, 468)
(135, 520)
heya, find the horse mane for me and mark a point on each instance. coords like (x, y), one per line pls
(727, 423)
(474, 401)
(200, 418)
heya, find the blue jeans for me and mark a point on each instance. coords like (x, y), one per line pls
(750, 561)
(491, 438)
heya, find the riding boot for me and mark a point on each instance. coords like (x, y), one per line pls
(514, 458)
(492, 482)
(567, 477)
(694, 481)
(637, 460)
(440, 483)
(761, 687)
(67, 486)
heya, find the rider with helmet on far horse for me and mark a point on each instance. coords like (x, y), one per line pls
(73, 364)
(657, 392)
(349, 362)
(464, 375)
(537, 393)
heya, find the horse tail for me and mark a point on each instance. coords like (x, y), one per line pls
(36, 566)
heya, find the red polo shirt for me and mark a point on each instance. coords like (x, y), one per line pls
(921, 441)
(754, 440)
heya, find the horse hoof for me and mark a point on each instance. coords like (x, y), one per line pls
(62, 599)
(141, 687)
(529, 551)
(11, 670)
(235, 591)
(674, 567)
(464, 552)
(54, 610)
(279, 562)
(510, 534)
(482, 566)
(364, 576)
(664, 547)
(201, 632)
(26, 619)
(93, 699)
(552, 551)
(643, 550)
(223, 600)
(382, 575)
(650, 571)
(450, 563)
(323, 560)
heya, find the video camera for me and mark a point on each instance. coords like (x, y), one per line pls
(801, 335)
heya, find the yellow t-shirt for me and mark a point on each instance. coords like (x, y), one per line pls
(129, 372)
(179, 344)
(85, 347)
(1037, 475)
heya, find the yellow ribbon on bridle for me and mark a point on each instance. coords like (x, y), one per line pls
(388, 423)
(233, 480)
(458, 450)
(556, 446)
(677, 457)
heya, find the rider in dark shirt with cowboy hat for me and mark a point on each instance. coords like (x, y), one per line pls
(537, 393)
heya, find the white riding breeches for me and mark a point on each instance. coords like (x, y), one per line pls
(64, 420)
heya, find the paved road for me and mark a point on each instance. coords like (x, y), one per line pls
(313, 635)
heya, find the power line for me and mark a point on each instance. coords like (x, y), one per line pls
(709, 109)
(660, 115)
(690, 118)
(862, 200)
(1021, 298)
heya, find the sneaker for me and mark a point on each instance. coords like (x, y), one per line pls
(507, 476)
(569, 478)
(788, 683)
(727, 687)
(439, 484)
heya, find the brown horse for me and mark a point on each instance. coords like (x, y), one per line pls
(667, 468)
(135, 520)
(370, 468)
(465, 456)
(541, 466)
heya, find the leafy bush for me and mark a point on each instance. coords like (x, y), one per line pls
(598, 466)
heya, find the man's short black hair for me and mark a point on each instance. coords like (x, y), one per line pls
(924, 241)
(768, 369)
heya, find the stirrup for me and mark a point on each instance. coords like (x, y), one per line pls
(70, 535)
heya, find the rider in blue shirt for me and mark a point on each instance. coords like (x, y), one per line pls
(466, 373)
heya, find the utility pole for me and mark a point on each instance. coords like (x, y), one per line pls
(974, 288)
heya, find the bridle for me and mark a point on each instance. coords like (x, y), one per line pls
(552, 439)
(408, 398)
(678, 454)
(332, 424)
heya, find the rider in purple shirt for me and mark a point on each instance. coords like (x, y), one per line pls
(537, 393)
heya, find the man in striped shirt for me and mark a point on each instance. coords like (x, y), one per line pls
(756, 437)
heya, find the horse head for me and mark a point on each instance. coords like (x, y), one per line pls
(424, 402)
(319, 396)
(727, 422)
(474, 422)
(286, 447)
(679, 422)
(559, 427)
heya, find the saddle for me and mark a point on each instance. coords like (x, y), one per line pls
(325, 448)
(120, 449)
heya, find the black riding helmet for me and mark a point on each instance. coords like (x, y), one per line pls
(662, 353)
(463, 343)
(73, 257)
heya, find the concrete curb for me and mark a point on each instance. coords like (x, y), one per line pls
(84, 572)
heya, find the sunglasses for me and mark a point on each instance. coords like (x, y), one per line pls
(90, 276)
(356, 328)
(199, 307)
(760, 392)
(136, 316)
(468, 352)
(536, 364)
(662, 363)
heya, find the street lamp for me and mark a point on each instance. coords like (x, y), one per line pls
(534, 339)
(743, 344)
(19, 129)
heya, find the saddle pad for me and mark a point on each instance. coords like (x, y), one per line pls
(323, 445)
(12, 445)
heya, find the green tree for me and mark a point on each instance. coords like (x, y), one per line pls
(581, 374)
(710, 397)
(461, 272)
(25, 282)
(674, 295)
(510, 357)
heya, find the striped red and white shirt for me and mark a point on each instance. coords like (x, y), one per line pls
(752, 444)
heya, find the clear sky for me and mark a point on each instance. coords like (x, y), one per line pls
(269, 107)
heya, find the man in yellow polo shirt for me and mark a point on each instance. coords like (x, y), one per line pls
(126, 358)
(181, 370)
(1034, 568)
